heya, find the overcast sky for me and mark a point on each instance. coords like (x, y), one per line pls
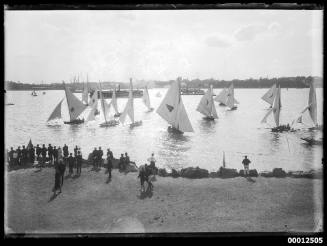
(52, 46)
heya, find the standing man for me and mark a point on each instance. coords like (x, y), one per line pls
(38, 152)
(127, 160)
(11, 156)
(75, 151)
(246, 163)
(94, 157)
(109, 162)
(152, 161)
(55, 154)
(19, 154)
(24, 155)
(79, 163)
(121, 163)
(100, 154)
(43, 153)
(50, 153)
(71, 161)
(65, 150)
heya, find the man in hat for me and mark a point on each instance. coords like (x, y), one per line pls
(246, 163)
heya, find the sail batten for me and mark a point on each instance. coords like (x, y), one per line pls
(56, 114)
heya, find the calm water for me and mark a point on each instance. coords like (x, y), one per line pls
(236, 132)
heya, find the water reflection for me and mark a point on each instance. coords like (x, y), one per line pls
(206, 126)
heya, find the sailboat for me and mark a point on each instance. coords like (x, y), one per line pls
(207, 106)
(75, 107)
(270, 95)
(93, 102)
(222, 97)
(276, 107)
(85, 94)
(311, 108)
(56, 114)
(173, 111)
(230, 102)
(34, 93)
(146, 99)
(114, 103)
(129, 109)
(8, 101)
(105, 109)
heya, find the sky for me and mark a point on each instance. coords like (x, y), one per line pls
(51, 46)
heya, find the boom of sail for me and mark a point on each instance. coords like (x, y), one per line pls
(207, 106)
(173, 111)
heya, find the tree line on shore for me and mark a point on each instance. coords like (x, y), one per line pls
(284, 82)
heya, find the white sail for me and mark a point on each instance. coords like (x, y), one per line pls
(276, 106)
(222, 96)
(313, 104)
(264, 120)
(92, 113)
(129, 108)
(75, 106)
(56, 114)
(103, 105)
(206, 105)
(146, 98)
(172, 109)
(94, 98)
(114, 101)
(85, 95)
(230, 102)
(270, 95)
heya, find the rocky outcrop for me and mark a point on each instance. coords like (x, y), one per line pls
(266, 174)
(194, 173)
(227, 172)
(279, 173)
(252, 173)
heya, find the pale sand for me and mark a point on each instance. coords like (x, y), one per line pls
(89, 204)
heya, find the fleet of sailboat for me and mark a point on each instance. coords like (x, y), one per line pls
(172, 108)
(146, 99)
(206, 106)
(129, 109)
(173, 111)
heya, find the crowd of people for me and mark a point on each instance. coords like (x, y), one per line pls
(61, 158)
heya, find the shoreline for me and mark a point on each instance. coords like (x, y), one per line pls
(89, 204)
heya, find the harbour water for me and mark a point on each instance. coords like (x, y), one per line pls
(237, 133)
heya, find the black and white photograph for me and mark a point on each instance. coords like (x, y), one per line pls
(150, 121)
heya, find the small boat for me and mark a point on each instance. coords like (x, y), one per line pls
(8, 101)
(270, 95)
(114, 103)
(312, 141)
(312, 109)
(105, 109)
(207, 107)
(230, 101)
(276, 112)
(85, 93)
(173, 111)
(34, 93)
(129, 109)
(146, 99)
(75, 108)
(222, 97)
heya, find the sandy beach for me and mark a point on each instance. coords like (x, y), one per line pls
(89, 204)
